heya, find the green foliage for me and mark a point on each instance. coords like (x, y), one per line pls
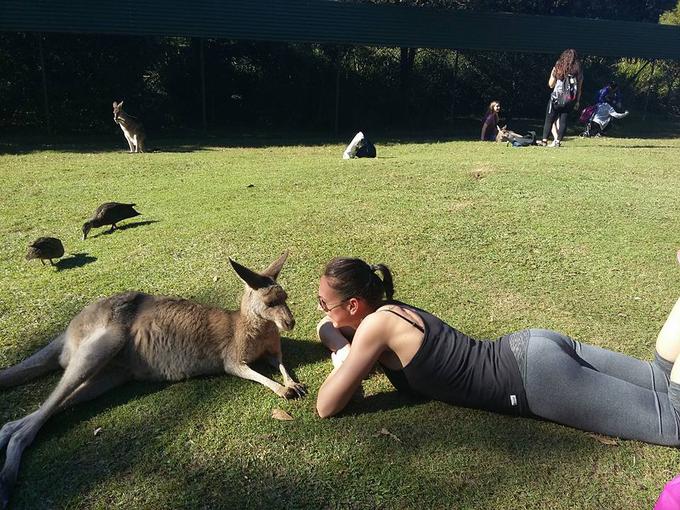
(263, 85)
(671, 17)
(659, 80)
(581, 239)
(601, 9)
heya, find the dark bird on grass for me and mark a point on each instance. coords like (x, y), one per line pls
(109, 213)
(45, 248)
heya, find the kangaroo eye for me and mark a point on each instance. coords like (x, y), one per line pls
(277, 297)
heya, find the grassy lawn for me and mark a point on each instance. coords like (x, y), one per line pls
(493, 239)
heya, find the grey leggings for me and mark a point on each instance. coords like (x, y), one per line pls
(601, 391)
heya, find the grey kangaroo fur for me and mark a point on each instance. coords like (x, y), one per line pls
(132, 128)
(136, 336)
(507, 135)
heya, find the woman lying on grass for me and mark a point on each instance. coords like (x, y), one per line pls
(534, 373)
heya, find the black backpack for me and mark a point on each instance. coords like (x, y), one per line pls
(567, 93)
(365, 149)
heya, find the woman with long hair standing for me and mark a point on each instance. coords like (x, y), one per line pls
(566, 82)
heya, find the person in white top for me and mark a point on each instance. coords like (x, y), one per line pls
(603, 115)
(359, 147)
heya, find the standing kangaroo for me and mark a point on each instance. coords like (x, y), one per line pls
(132, 128)
(136, 336)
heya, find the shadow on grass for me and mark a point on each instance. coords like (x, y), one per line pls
(146, 457)
(194, 143)
(296, 353)
(173, 405)
(381, 402)
(460, 129)
(73, 261)
(126, 226)
(136, 224)
(477, 456)
(640, 146)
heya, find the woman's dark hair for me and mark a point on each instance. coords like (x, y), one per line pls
(355, 278)
(568, 63)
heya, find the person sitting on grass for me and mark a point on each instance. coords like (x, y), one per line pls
(490, 122)
(534, 373)
(602, 118)
(359, 147)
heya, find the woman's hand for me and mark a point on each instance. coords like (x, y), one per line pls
(339, 356)
(334, 339)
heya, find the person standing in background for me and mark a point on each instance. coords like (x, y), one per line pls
(566, 82)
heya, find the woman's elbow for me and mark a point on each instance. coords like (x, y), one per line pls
(324, 410)
(326, 405)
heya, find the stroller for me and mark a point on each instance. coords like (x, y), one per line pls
(586, 118)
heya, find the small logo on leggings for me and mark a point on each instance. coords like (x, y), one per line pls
(513, 400)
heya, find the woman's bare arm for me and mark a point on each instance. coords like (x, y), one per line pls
(343, 381)
(483, 135)
(552, 80)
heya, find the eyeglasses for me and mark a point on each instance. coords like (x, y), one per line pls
(327, 308)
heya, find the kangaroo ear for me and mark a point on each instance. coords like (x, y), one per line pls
(115, 104)
(275, 267)
(252, 279)
(120, 104)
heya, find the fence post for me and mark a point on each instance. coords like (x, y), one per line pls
(203, 109)
(43, 72)
(454, 87)
(649, 88)
(342, 53)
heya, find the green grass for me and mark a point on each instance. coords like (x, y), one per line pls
(580, 239)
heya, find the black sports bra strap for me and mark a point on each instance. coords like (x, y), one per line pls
(413, 323)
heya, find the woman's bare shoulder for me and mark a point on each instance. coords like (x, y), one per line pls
(372, 321)
(405, 311)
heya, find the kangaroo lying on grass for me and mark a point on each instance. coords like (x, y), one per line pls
(136, 336)
(507, 135)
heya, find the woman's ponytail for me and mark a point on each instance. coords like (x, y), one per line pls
(352, 277)
(388, 284)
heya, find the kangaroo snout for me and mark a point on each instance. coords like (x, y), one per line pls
(286, 324)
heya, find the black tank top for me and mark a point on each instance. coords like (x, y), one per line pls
(454, 368)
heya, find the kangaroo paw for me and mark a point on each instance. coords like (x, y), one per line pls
(6, 433)
(295, 390)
